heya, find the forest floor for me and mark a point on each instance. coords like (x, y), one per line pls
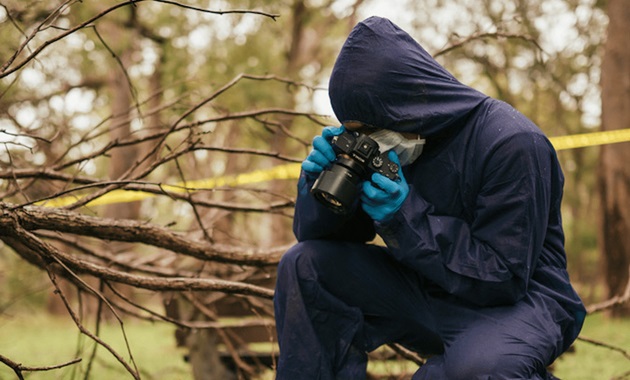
(39, 340)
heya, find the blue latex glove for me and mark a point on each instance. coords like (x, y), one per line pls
(382, 197)
(322, 154)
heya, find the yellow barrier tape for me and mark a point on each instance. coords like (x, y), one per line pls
(288, 171)
(590, 139)
(292, 171)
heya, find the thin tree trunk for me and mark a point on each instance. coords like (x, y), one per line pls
(121, 103)
(614, 173)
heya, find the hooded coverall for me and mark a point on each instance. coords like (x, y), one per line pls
(474, 270)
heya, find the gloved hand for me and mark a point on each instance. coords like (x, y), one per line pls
(322, 154)
(382, 197)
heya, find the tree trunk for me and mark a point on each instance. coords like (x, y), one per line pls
(614, 173)
(122, 158)
(204, 356)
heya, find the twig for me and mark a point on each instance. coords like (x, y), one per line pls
(5, 71)
(132, 89)
(18, 368)
(153, 151)
(29, 38)
(99, 313)
(34, 137)
(407, 354)
(194, 206)
(481, 36)
(155, 316)
(232, 11)
(57, 171)
(612, 302)
(102, 301)
(158, 189)
(598, 343)
(242, 366)
(77, 322)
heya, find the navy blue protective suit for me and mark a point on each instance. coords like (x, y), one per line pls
(474, 272)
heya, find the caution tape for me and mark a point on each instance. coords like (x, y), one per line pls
(292, 171)
(288, 171)
(590, 139)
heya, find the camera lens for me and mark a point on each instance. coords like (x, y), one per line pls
(338, 187)
(330, 199)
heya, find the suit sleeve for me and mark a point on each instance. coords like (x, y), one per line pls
(491, 260)
(312, 220)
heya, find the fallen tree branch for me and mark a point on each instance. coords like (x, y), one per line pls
(194, 324)
(50, 253)
(131, 231)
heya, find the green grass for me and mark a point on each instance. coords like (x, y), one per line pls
(39, 340)
(589, 361)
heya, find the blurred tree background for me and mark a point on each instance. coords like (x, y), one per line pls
(101, 97)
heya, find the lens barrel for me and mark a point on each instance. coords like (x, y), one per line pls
(338, 187)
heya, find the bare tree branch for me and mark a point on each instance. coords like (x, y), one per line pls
(50, 253)
(75, 318)
(158, 144)
(156, 189)
(481, 36)
(18, 368)
(33, 218)
(8, 68)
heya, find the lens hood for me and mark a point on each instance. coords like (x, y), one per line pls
(338, 187)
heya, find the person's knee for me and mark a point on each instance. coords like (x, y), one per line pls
(303, 260)
(290, 279)
(287, 261)
(295, 256)
(480, 364)
(473, 367)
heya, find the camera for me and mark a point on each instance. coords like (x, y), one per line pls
(358, 156)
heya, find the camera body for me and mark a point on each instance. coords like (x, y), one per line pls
(358, 156)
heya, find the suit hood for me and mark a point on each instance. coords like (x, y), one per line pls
(384, 78)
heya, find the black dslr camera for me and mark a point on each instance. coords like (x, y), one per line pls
(358, 157)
